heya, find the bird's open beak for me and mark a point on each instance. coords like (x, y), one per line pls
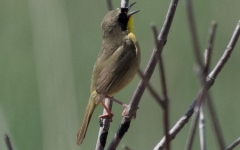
(133, 12)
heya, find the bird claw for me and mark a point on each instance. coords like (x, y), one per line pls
(132, 115)
(110, 115)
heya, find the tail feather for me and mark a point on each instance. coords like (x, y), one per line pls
(87, 117)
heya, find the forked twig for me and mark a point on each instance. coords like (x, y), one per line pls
(207, 58)
(133, 105)
(164, 90)
(214, 74)
(194, 124)
(210, 80)
(150, 89)
(223, 60)
(200, 71)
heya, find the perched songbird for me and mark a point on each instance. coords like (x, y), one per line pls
(117, 62)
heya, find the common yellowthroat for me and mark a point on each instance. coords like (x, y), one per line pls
(117, 62)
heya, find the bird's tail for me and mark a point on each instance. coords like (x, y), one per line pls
(87, 117)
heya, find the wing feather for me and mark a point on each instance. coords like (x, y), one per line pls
(116, 67)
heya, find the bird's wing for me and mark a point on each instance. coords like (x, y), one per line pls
(115, 67)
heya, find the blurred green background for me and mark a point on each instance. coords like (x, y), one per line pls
(47, 52)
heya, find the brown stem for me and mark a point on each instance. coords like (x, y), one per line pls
(210, 80)
(164, 90)
(150, 89)
(104, 127)
(202, 129)
(234, 144)
(209, 47)
(109, 5)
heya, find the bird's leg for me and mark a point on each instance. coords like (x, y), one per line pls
(119, 102)
(109, 113)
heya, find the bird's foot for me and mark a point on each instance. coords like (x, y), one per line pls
(110, 115)
(117, 101)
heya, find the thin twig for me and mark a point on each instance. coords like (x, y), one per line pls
(7, 142)
(159, 58)
(177, 127)
(202, 129)
(192, 131)
(210, 80)
(227, 52)
(109, 5)
(214, 74)
(200, 71)
(207, 58)
(151, 89)
(164, 90)
(209, 47)
(193, 127)
(104, 127)
(193, 31)
(234, 144)
(210, 106)
(215, 123)
(133, 105)
(196, 50)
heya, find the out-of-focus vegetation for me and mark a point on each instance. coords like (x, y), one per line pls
(47, 52)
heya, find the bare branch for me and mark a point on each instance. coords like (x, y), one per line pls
(195, 119)
(215, 123)
(208, 50)
(210, 80)
(164, 90)
(214, 74)
(133, 105)
(202, 129)
(210, 106)
(227, 52)
(150, 88)
(193, 31)
(104, 127)
(207, 58)
(200, 67)
(177, 127)
(109, 5)
(192, 132)
(7, 142)
(202, 77)
(159, 58)
(234, 144)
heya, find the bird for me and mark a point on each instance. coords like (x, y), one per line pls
(117, 63)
